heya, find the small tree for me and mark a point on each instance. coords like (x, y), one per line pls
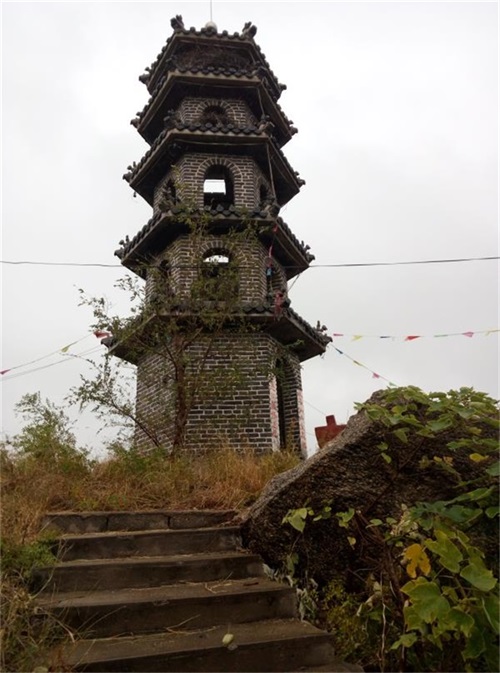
(177, 320)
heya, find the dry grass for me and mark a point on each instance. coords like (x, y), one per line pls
(33, 485)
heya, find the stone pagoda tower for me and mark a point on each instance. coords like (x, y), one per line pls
(217, 347)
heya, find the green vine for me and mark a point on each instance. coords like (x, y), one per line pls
(430, 588)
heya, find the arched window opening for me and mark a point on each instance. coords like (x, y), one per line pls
(218, 187)
(263, 196)
(170, 191)
(219, 275)
(215, 115)
(162, 288)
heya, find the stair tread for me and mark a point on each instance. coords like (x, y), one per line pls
(145, 560)
(141, 512)
(112, 649)
(172, 592)
(117, 534)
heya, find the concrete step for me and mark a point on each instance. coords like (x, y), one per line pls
(188, 606)
(147, 543)
(272, 645)
(103, 574)
(99, 522)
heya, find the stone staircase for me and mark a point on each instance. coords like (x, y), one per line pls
(172, 591)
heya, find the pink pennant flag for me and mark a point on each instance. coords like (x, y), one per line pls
(4, 371)
(468, 334)
(412, 336)
(375, 376)
(337, 334)
(102, 335)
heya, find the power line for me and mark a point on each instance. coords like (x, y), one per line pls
(311, 266)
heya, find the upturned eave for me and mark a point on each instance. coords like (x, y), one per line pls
(177, 84)
(163, 228)
(288, 328)
(182, 37)
(172, 143)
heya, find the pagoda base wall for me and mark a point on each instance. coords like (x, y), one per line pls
(247, 395)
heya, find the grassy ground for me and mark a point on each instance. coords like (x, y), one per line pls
(35, 482)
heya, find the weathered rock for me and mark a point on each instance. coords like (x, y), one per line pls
(349, 472)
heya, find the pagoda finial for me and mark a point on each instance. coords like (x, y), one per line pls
(177, 23)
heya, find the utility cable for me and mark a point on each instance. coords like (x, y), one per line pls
(311, 266)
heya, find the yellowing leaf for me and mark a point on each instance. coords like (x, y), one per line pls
(418, 559)
(228, 639)
(477, 457)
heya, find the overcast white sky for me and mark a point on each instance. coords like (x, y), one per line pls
(397, 109)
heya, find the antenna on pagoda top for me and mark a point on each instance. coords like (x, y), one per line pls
(211, 19)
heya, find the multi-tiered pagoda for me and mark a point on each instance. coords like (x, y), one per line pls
(216, 178)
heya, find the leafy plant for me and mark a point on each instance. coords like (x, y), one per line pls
(429, 572)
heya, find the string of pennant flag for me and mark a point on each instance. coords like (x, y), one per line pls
(375, 375)
(412, 337)
(354, 337)
(64, 351)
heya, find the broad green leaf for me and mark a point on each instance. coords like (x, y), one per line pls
(465, 413)
(491, 609)
(474, 645)
(475, 495)
(400, 433)
(291, 561)
(461, 514)
(478, 575)
(406, 640)
(413, 621)
(375, 522)
(494, 470)
(386, 457)
(418, 559)
(458, 620)
(492, 512)
(427, 599)
(345, 517)
(440, 424)
(449, 554)
(297, 518)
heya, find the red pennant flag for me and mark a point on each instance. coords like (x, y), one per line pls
(337, 334)
(101, 335)
(468, 334)
(411, 337)
(4, 371)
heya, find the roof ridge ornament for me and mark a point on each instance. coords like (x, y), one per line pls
(177, 23)
(249, 30)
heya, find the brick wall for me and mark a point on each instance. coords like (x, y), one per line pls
(184, 256)
(191, 110)
(233, 405)
(190, 171)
